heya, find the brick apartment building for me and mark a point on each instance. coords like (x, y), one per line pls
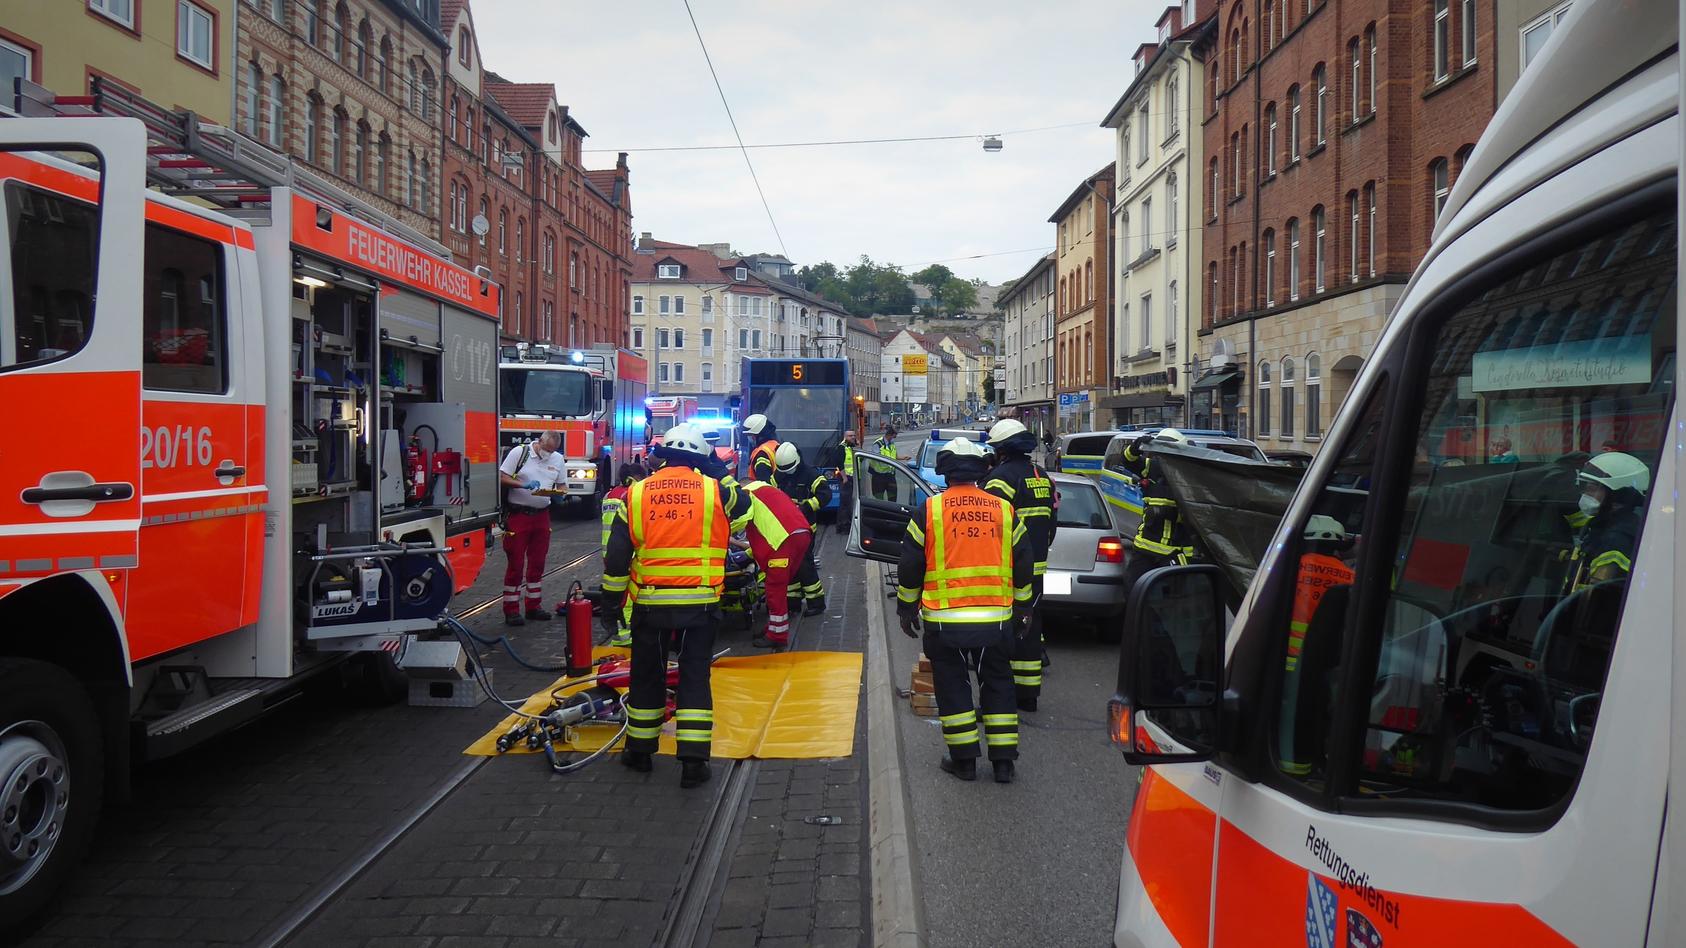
(350, 88)
(557, 237)
(1083, 267)
(1332, 134)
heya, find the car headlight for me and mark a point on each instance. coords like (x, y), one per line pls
(583, 474)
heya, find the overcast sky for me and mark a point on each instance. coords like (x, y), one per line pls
(803, 71)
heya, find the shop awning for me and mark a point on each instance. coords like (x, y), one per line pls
(1212, 378)
(1142, 400)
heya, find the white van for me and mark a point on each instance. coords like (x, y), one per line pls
(1393, 742)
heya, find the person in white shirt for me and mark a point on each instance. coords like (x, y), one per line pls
(526, 540)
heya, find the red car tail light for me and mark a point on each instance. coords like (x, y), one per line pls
(1109, 550)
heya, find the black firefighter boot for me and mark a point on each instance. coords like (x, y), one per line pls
(693, 773)
(964, 769)
(637, 761)
(814, 607)
(1003, 771)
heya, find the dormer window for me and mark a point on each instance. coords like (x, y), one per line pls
(740, 274)
(668, 271)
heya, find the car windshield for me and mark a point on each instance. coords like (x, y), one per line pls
(1081, 506)
(928, 454)
(1248, 451)
(1089, 444)
(545, 391)
(811, 418)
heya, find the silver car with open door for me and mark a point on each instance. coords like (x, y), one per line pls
(886, 493)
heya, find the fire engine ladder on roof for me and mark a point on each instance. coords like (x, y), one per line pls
(215, 165)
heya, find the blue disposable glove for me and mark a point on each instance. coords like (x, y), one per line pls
(532, 485)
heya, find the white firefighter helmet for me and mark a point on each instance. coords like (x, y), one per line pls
(755, 424)
(1324, 527)
(786, 456)
(1614, 470)
(1004, 429)
(687, 438)
(963, 448)
(1171, 436)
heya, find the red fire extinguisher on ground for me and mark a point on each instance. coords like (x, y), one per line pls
(578, 609)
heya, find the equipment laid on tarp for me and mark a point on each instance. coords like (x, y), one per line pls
(1232, 504)
(787, 705)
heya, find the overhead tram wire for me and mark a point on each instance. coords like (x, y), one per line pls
(728, 106)
(847, 141)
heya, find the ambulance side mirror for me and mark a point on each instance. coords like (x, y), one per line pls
(1170, 667)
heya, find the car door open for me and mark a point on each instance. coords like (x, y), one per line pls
(885, 495)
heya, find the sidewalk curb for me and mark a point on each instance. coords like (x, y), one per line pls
(897, 915)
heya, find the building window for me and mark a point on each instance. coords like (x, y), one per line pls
(638, 307)
(1215, 199)
(1235, 164)
(16, 62)
(1320, 78)
(755, 339)
(546, 330)
(1319, 230)
(195, 34)
(1313, 397)
(518, 309)
(663, 338)
(1147, 321)
(383, 152)
(679, 339)
(1442, 186)
(252, 99)
(679, 371)
(1262, 419)
(740, 274)
(1536, 32)
(123, 11)
(662, 372)
(1287, 389)
(336, 143)
(1293, 259)
(1442, 39)
(1172, 113)
(573, 270)
(1212, 294)
(1466, 27)
(503, 231)
(1269, 241)
(277, 109)
(1124, 153)
(1357, 58)
(1141, 134)
(743, 339)
(1170, 211)
(679, 306)
(1147, 225)
(549, 254)
(410, 183)
(668, 271)
(1171, 314)
(465, 54)
(708, 307)
(664, 305)
(360, 153)
(1270, 138)
(520, 239)
(708, 342)
(312, 126)
(638, 331)
(1352, 235)
(1293, 124)
(1370, 200)
(1370, 35)
(708, 376)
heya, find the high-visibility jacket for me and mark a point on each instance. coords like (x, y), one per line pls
(848, 468)
(966, 560)
(1020, 482)
(614, 504)
(761, 463)
(886, 447)
(773, 516)
(1162, 531)
(670, 542)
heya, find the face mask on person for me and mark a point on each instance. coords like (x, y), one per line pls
(1590, 505)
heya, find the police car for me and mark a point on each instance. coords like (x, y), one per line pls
(927, 460)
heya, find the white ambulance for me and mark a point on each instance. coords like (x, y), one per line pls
(1394, 739)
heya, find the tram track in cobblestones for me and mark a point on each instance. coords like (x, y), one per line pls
(283, 931)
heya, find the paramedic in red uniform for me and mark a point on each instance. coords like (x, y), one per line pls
(779, 538)
(526, 538)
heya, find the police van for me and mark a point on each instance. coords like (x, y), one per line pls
(1394, 738)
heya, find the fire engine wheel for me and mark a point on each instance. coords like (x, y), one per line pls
(379, 681)
(51, 782)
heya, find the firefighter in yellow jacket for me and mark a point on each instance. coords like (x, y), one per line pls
(670, 546)
(965, 572)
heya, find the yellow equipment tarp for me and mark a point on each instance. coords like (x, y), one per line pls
(784, 705)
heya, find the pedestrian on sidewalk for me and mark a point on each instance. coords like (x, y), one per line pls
(1021, 482)
(965, 571)
(670, 547)
(811, 491)
(780, 538)
(526, 531)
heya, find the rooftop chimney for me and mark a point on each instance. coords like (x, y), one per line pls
(646, 243)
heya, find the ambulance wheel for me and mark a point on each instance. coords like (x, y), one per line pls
(378, 681)
(52, 783)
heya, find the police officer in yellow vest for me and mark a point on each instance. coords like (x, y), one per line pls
(763, 437)
(1021, 482)
(670, 545)
(965, 571)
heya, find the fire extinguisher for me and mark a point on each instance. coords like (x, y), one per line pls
(415, 468)
(579, 630)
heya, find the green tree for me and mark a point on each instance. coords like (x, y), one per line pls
(956, 295)
(933, 276)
